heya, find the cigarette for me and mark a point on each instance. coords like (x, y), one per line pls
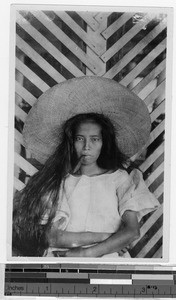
(77, 167)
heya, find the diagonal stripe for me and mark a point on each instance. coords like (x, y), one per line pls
(159, 191)
(96, 58)
(96, 36)
(159, 90)
(152, 158)
(149, 223)
(18, 184)
(153, 135)
(155, 174)
(158, 253)
(143, 64)
(136, 50)
(24, 165)
(65, 40)
(116, 25)
(123, 40)
(19, 113)
(156, 132)
(19, 137)
(151, 243)
(24, 94)
(88, 19)
(160, 109)
(31, 76)
(38, 59)
(91, 43)
(39, 38)
(156, 71)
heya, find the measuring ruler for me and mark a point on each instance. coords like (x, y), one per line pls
(83, 280)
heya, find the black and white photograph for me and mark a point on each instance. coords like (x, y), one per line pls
(89, 100)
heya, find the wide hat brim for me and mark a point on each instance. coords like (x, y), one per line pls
(87, 94)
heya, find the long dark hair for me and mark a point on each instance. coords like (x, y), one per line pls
(41, 193)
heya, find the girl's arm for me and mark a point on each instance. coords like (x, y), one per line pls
(116, 242)
(66, 239)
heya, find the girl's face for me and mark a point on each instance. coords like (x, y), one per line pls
(88, 142)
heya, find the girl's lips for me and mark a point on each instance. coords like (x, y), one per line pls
(86, 157)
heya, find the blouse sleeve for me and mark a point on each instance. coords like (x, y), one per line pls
(62, 216)
(133, 194)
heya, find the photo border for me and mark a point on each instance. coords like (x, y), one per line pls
(167, 159)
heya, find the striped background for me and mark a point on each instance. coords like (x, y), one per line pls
(52, 46)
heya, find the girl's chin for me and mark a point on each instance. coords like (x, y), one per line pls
(87, 160)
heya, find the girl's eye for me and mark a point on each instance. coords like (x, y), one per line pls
(79, 139)
(95, 139)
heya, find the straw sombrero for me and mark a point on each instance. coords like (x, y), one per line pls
(127, 112)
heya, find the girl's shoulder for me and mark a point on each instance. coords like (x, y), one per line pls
(113, 176)
(118, 173)
(122, 176)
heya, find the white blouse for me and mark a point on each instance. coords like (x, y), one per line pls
(97, 203)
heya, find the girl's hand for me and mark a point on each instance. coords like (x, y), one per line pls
(123, 251)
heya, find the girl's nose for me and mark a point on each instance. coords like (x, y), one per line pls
(87, 145)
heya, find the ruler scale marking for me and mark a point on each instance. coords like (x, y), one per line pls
(90, 281)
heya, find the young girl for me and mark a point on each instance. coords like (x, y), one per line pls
(83, 202)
